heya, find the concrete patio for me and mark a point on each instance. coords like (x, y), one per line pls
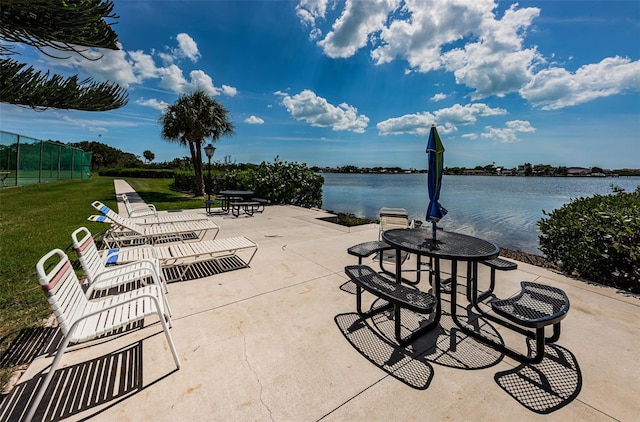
(280, 341)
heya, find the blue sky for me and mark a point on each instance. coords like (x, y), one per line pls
(332, 83)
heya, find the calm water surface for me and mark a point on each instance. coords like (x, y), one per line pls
(503, 210)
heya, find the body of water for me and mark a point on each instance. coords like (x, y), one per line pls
(503, 210)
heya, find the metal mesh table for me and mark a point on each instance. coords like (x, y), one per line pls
(448, 245)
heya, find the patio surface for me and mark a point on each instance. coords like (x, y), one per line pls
(280, 341)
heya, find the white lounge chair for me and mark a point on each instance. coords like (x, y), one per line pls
(148, 214)
(178, 258)
(126, 232)
(198, 221)
(103, 279)
(81, 320)
(395, 218)
(147, 210)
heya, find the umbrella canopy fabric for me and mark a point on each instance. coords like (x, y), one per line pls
(435, 153)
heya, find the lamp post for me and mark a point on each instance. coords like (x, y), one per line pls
(209, 150)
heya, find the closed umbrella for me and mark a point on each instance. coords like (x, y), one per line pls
(435, 154)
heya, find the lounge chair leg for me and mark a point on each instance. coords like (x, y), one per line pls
(43, 387)
(169, 340)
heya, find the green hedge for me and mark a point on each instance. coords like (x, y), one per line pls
(137, 172)
(280, 182)
(597, 238)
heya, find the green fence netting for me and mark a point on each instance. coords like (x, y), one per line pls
(25, 160)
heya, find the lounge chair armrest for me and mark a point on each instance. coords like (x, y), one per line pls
(147, 271)
(116, 305)
(130, 268)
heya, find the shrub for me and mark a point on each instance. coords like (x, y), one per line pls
(137, 172)
(597, 238)
(280, 182)
(288, 183)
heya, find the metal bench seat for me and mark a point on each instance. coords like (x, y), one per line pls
(248, 207)
(536, 305)
(363, 250)
(398, 296)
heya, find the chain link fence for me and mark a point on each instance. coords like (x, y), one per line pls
(25, 160)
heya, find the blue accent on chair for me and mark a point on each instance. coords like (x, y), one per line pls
(113, 259)
(102, 219)
(105, 209)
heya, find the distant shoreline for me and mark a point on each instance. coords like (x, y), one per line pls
(462, 171)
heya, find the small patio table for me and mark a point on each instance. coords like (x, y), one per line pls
(448, 245)
(231, 195)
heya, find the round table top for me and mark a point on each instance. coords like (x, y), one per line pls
(449, 245)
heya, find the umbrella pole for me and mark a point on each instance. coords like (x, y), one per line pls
(433, 231)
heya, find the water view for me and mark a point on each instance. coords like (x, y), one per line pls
(503, 210)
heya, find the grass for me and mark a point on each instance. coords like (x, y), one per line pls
(350, 220)
(37, 218)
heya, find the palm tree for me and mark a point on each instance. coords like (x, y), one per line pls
(148, 155)
(189, 121)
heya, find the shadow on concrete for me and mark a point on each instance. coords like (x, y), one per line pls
(547, 386)
(77, 388)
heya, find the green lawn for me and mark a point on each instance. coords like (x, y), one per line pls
(37, 218)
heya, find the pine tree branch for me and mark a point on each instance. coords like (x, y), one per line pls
(61, 25)
(29, 88)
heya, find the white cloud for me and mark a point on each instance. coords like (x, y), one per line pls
(447, 119)
(491, 60)
(414, 124)
(419, 35)
(253, 120)
(127, 68)
(171, 78)
(143, 65)
(153, 103)
(351, 31)
(510, 132)
(167, 58)
(556, 88)
(310, 10)
(496, 64)
(228, 91)
(317, 111)
(438, 97)
(187, 47)
(485, 52)
(467, 114)
(111, 65)
(200, 80)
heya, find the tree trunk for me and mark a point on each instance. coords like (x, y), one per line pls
(196, 159)
(197, 165)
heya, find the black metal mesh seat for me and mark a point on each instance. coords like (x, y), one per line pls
(362, 250)
(397, 295)
(389, 290)
(536, 305)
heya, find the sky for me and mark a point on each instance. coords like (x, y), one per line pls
(334, 83)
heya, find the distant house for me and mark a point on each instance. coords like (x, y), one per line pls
(577, 171)
(474, 172)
